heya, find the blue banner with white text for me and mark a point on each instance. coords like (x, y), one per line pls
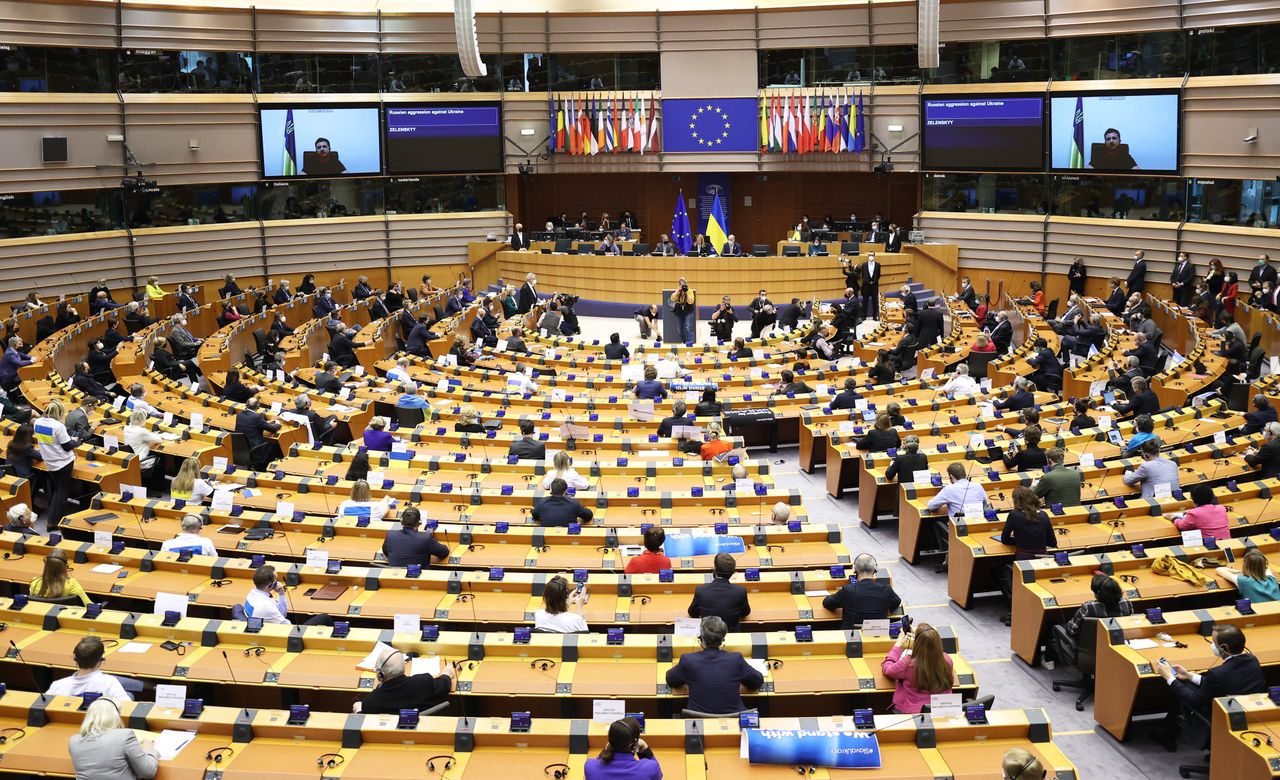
(708, 185)
(844, 749)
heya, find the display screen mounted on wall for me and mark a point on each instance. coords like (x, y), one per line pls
(1114, 132)
(320, 141)
(444, 138)
(983, 133)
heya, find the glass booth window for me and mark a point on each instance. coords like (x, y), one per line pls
(990, 193)
(1249, 203)
(56, 69)
(319, 199)
(991, 61)
(525, 72)
(1224, 51)
(837, 66)
(436, 73)
(632, 70)
(1120, 197)
(58, 212)
(148, 70)
(781, 67)
(281, 72)
(440, 194)
(896, 65)
(193, 204)
(1128, 56)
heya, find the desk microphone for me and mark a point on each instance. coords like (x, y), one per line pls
(18, 654)
(142, 521)
(702, 745)
(897, 723)
(235, 683)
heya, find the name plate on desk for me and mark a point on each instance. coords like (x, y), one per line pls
(844, 749)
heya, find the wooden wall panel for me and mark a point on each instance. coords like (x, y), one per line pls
(1238, 248)
(1218, 113)
(58, 24)
(991, 245)
(62, 265)
(161, 128)
(150, 27)
(991, 20)
(187, 254)
(419, 240)
(85, 121)
(337, 245)
(828, 27)
(522, 34)
(632, 32)
(1214, 13)
(709, 32)
(316, 33)
(1099, 17)
(893, 23)
(1107, 246)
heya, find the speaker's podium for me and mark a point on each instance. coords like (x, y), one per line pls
(671, 323)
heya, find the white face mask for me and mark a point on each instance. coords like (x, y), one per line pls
(1217, 651)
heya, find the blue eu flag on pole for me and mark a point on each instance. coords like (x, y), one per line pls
(860, 131)
(681, 235)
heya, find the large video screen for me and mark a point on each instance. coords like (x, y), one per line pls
(444, 138)
(990, 133)
(320, 141)
(1115, 132)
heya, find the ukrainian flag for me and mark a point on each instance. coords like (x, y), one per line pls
(716, 232)
(289, 166)
(44, 433)
(1076, 159)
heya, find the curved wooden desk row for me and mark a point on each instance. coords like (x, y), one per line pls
(477, 548)
(1100, 485)
(261, 745)
(843, 456)
(23, 323)
(1239, 722)
(376, 594)
(1128, 684)
(975, 549)
(842, 665)
(1046, 593)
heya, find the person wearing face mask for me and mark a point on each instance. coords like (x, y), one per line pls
(1235, 673)
(1137, 281)
(185, 345)
(324, 304)
(1262, 272)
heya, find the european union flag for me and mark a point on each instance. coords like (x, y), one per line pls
(681, 235)
(709, 125)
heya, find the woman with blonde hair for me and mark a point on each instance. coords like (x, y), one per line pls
(562, 468)
(55, 583)
(920, 668)
(154, 291)
(1254, 581)
(468, 421)
(714, 445)
(188, 484)
(106, 750)
(56, 448)
(1019, 764)
(361, 503)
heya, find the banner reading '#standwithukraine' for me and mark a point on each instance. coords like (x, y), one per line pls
(844, 749)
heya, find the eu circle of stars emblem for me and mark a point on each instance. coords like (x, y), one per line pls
(709, 126)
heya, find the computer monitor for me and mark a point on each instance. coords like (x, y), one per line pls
(586, 249)
(760, 250)
(848, 247)
(563, 244)
(791, 251)
(640, 248)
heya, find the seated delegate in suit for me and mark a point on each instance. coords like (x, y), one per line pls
(105, 750)
(397, 690)
(724, 599)
(714, 676)
(1021, 398)
(559, 509)
(1239, 673)
(650, 387)
(1059, 485)
(865, 598)
(562, 607)
(527, 447)
(845, 398)
(881, 438)
(407, 545)
(731, 248)
(708, 406)
(1141, 401)
(679, 417)
(1153, 471)
(908, 461)
(1048, 369)
(1266, 457)
(1255, 580)
(922, 672)
(1030, 457)
(615, 349)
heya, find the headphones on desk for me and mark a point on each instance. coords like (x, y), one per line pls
(330, 760)
(448, 763)
(542, 663)
(217, 754)
(558, 771)
(1256, 742)
(254, 650)
(17, 733)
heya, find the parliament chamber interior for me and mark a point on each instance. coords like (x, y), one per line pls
(855, 389)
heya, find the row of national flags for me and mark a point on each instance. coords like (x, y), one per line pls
(804, 124)
(604, 125)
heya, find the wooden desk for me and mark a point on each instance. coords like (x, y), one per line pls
(1234, 754)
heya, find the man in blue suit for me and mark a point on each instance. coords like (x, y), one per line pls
(714, 676)
(720, 597)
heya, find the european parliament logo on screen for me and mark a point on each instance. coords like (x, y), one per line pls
(710, 125)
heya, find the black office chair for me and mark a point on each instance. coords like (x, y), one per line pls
(244, 456)
(713, 715)
(66, 601)
(1080, 653)
(1051, 313)
(409, 418)
(760, 250)
(1202, 726)
(978, 363)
